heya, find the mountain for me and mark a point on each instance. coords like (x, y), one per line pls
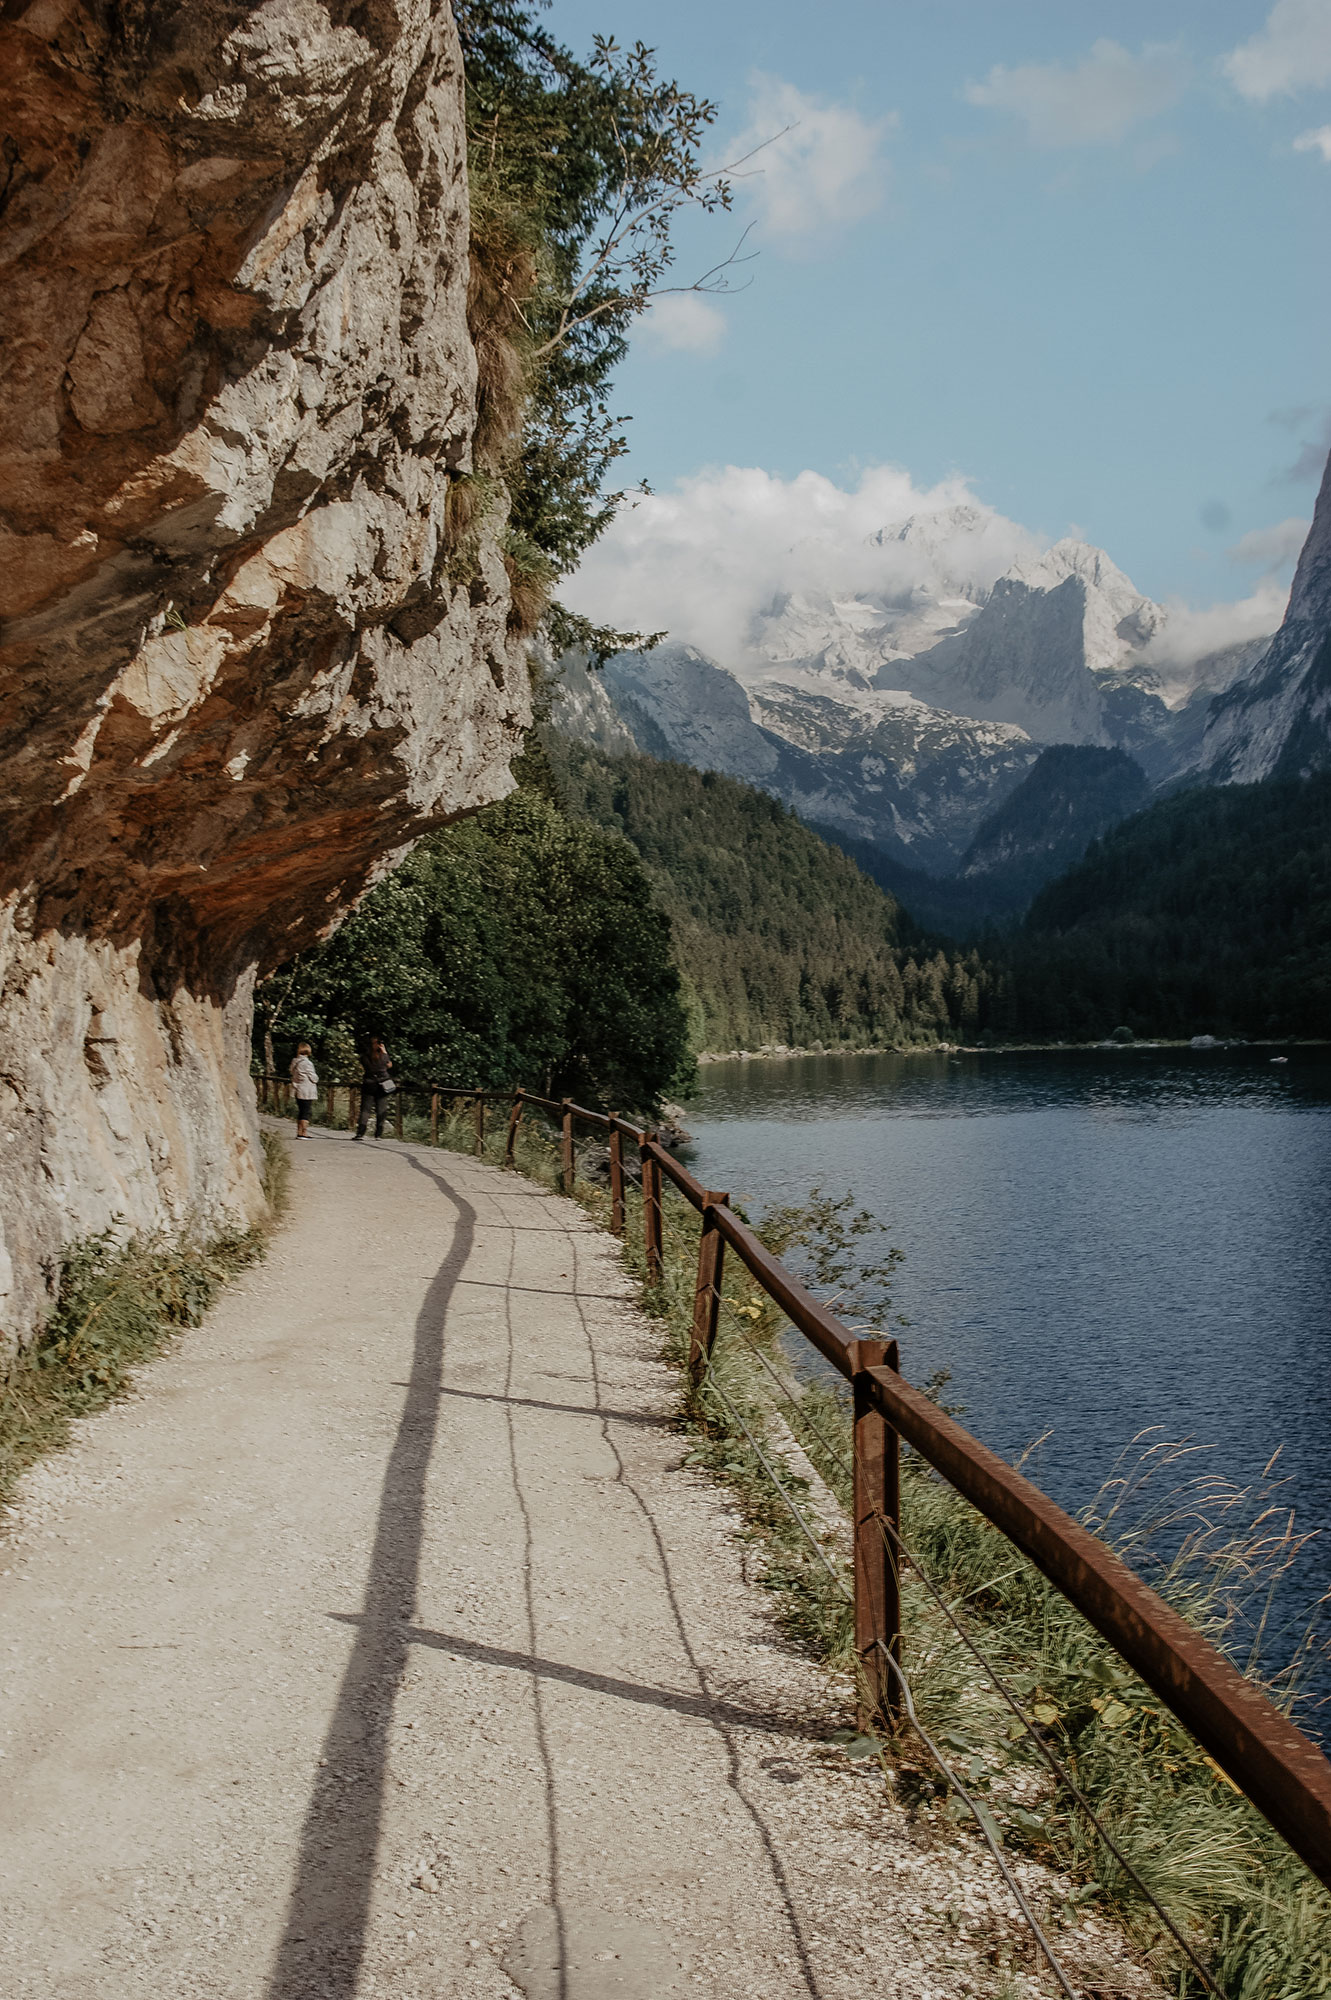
(900, 718)
(1276, 720)
(1060, 644)
(889, 770)
(1071, 794)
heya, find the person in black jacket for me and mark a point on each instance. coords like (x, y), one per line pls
(376, 1088)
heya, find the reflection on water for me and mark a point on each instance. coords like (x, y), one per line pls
(1095, 1242)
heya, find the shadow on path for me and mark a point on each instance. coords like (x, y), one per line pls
(708, 1708)
(323, 1942)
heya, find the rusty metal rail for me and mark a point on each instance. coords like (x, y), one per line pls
(1280, 1770)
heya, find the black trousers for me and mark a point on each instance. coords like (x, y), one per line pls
(374, 1101)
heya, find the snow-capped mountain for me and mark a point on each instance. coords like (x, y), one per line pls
(1059, 643)
(891, 771)
(904, 712)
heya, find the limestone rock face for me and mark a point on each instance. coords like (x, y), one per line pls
(1276, 721)
(243, 662)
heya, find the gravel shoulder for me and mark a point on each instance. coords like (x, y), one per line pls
(381, 1644)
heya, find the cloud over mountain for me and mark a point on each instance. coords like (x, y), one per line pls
(706, 560)
(1273, 548)
(703, 560)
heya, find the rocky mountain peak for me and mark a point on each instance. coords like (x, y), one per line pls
(1118, 619)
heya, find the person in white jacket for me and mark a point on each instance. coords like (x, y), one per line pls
(305, 1081)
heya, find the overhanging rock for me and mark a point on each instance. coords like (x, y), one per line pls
(242, 664)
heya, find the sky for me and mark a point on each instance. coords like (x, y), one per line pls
(1068, 261)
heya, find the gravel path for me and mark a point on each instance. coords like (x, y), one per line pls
(380, 1645)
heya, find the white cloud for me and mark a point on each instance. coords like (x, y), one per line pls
(1318, 141)
(1273, 548)
(702, 561)
(825, 170)
(1291, 53)
(683, 322)
(1092, 102)
(1191, 632)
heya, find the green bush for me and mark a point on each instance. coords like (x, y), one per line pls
(519, 946)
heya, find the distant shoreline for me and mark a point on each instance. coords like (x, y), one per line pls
(783, 1054)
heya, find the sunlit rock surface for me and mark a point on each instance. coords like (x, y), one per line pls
(242, 667)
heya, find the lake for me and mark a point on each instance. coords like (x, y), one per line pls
(1096, 1242)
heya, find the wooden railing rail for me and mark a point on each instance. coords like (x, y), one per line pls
(1284, 1774)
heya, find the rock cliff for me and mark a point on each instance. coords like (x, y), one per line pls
(250, 648)
(1276, 721)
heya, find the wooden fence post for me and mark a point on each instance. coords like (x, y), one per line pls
(651, 1211)
(397, 1111)
(877, 1500)
(478, 1116)
(355, 1092)
(514, 1120)
(616, 1178)
(707, 1294)
(434, 1117)
(569, 1159)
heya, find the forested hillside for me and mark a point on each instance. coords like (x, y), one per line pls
(779, 937)
(1208, 913)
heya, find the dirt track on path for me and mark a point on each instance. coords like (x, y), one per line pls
(381, 1645)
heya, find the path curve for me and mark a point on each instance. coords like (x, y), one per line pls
(380, 1644)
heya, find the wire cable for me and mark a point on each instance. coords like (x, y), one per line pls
(805, 1420)
(1055, 1764)
(804, 1527)
(979, 1817)
(896, 1669)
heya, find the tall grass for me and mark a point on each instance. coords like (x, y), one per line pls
(117, 1305)
(1250, 1909)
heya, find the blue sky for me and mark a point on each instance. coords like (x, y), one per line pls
(1076, 256)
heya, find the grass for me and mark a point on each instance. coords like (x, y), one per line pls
(118, 1305)
(1251, 1910)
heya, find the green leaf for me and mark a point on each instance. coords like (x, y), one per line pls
(957, 1809)
(861, 1747)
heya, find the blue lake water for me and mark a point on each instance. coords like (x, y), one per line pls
(1095, 1242)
